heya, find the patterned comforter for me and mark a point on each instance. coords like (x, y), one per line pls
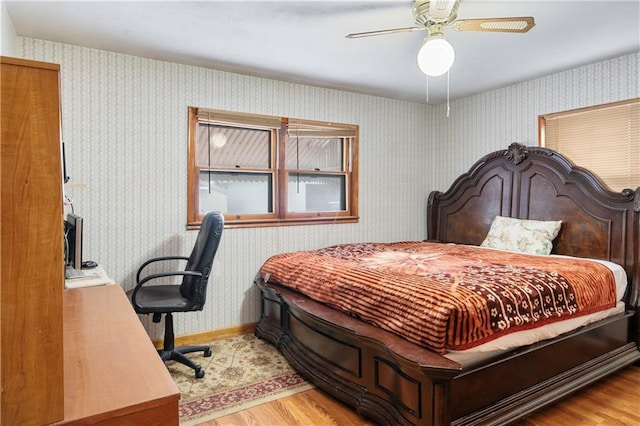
(445, 296)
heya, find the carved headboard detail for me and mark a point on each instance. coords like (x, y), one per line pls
(538, 183)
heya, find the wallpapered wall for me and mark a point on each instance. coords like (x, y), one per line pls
(125, 132)
(493, 120)
(7, 33)
(125, 128)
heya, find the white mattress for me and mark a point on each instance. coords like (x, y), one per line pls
(527, 337)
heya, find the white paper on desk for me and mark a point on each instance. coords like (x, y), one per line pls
(85, 274)
(92, 277)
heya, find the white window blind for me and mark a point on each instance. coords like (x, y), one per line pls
(604, 139)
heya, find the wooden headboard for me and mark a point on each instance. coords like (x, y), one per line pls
(538, 183)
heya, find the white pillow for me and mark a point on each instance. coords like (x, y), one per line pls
(521, 235)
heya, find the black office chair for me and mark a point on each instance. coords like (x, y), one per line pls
(190, 295)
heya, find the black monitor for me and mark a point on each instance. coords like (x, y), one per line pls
(65, 177)
(73, 237)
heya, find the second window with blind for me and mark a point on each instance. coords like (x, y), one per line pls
(603, 138)
(262, 170)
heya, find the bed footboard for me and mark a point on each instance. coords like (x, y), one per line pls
(378, 374)
(392, 381)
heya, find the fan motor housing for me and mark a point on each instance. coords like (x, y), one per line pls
(425, 16)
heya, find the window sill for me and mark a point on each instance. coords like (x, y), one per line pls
(282, 222)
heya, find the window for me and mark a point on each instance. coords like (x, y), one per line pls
(604, 139)
(262, 171)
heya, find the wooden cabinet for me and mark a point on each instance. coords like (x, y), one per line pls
(32, 251)
(103, 368)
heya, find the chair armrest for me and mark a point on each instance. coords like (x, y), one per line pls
(157, 259)
(148, 278)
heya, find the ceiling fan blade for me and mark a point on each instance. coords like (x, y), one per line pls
(502, 25)
(384, 32)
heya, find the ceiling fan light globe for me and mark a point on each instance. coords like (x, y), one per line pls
(218, 140)
(436, 57)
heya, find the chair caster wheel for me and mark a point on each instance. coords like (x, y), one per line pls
(207, 352)
(199, 373)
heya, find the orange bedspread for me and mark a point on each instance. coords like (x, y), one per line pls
(445, 296)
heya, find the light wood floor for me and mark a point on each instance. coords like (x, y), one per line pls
(612, 401)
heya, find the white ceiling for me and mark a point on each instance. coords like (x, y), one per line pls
(304, 41)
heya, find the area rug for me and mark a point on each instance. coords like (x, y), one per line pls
(243, 372)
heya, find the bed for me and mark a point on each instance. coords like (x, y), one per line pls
(395, 380)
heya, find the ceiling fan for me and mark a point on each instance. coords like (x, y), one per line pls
(436, 54)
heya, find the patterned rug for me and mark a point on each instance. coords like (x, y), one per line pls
(243, 372)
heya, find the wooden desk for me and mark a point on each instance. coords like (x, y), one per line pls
(112, 373)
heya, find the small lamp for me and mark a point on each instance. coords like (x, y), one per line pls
(436, 55)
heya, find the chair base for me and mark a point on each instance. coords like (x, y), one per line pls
(169, 352)
(177, 354)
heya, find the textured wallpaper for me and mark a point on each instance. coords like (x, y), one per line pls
(125, 130)
(492, 120)
(125, 133)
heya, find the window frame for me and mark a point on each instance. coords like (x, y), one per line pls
(281, 133)
(632, 127)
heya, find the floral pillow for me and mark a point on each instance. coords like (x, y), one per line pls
(521, 235)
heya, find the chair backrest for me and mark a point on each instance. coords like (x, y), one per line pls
(201, 259)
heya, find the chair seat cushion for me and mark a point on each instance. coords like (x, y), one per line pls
(160, 298)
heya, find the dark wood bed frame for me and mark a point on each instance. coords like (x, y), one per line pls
(393, 381)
